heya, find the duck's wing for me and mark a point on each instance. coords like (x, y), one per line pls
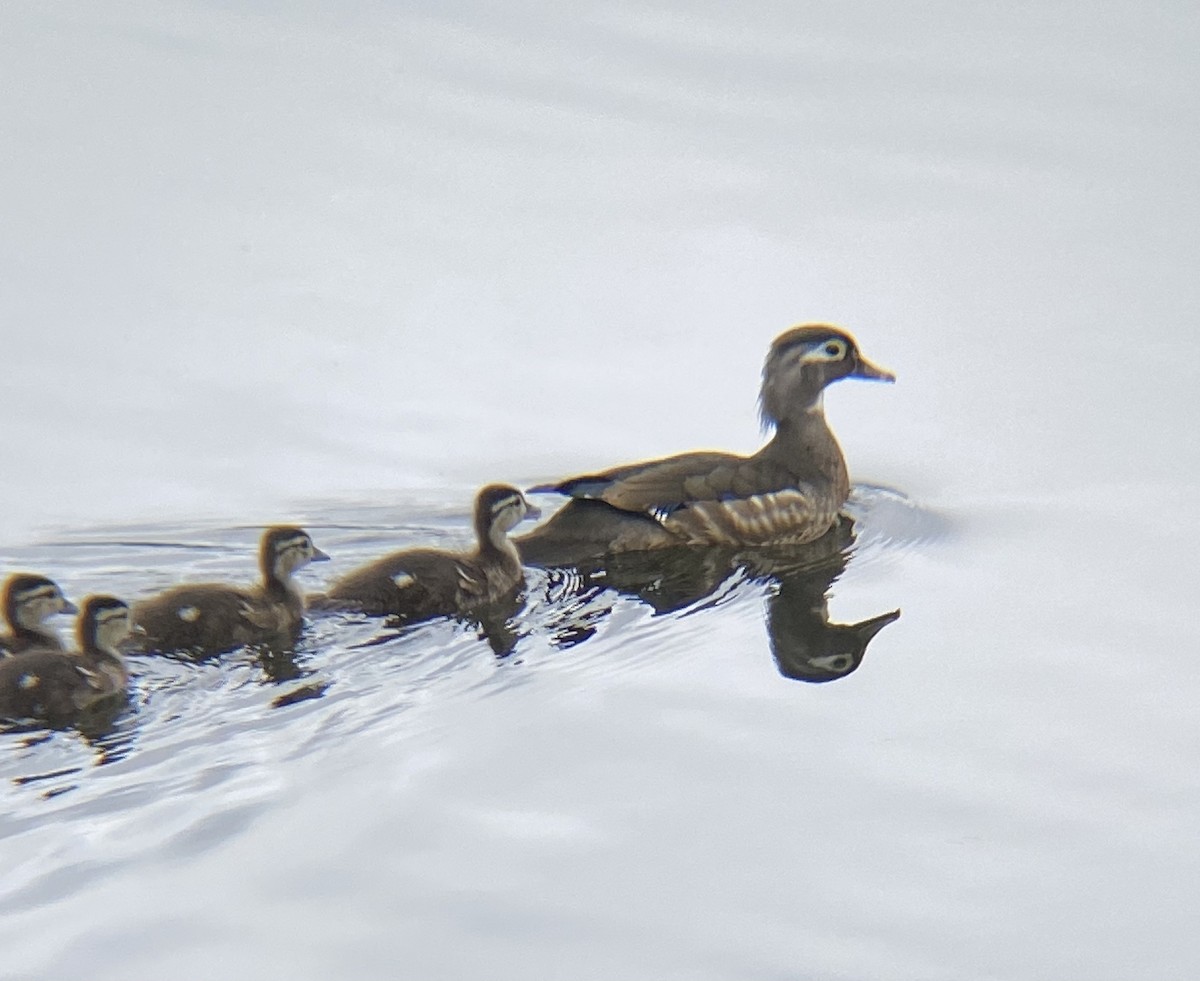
(659, 487)
(199, 616)
(41, 684)
(440, 573)
(414, 582)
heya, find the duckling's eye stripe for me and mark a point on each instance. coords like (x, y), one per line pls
(505, 503)
(292, 543)
(41, 592)
(113, 614)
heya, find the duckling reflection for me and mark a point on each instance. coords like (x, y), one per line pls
(805, 645)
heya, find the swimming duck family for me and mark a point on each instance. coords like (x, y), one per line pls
(210, 618)
(788, 493)
(53, 685)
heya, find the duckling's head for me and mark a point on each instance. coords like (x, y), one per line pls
(498, 509)
(283, 550)
(805, 359)
(30, 600)
(103, 624)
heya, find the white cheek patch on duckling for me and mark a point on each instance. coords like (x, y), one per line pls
(29, 681)
(291, 554)
(37, 605)
(189, 614)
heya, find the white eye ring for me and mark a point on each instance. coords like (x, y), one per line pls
(831, 350)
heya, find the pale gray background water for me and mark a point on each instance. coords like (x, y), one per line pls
(264, 262)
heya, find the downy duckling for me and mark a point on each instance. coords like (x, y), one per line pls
(422, 583)
(56, 686)
(29, 601)
(789, 492)
(210, 618)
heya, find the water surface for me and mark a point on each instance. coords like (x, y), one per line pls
(263, 265)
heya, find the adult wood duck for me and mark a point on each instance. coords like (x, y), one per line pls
(421, 583)
(788, 493)
(56, 686)
(29, 602)
(210, 618)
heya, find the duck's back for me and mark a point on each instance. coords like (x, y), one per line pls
(206, 618)
(707, 498)
(423, 583)
(49, 684)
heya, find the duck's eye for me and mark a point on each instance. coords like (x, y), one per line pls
(830, 350)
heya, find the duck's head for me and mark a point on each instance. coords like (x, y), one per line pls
(805, 359)
(283, 550)
(30, 600)
(103, 624)
(498, 509)
(821, 651)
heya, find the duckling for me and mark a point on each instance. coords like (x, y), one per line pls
(422, 583)
(789, 492)
(56, 686)
(29, 601)
(209, 618)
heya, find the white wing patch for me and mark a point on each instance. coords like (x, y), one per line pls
(189, 614)
(402, 579)
(29, 681)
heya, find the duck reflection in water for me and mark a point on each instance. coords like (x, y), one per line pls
(805, 645)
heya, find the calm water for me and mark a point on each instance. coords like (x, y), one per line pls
(262, 264)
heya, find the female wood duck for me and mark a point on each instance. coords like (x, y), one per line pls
(29, 601)
(209, 618)
(56, 686)
(421, 583)
(789, 492)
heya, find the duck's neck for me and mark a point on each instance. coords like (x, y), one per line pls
(496, 545)
(41, 635)
(283, 589)
(805, 445)
(109, 660)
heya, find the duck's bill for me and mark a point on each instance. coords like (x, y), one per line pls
(864, 369)
(68, 607)
(866, 629)
(318, 555)
(532, 512)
